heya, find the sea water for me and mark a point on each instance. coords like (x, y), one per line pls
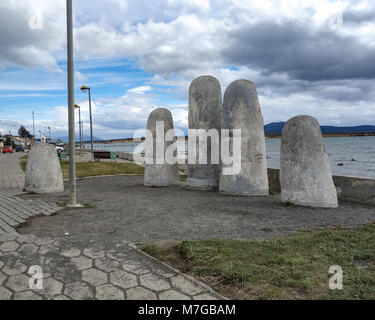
(353, 156)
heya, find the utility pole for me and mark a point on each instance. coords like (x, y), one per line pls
(72, 163)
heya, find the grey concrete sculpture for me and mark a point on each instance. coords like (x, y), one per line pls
(160, 175)
(241, 110)
(205, 107)
(305, 175)
(43, 173)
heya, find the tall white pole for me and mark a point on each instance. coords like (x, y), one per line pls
(34, 125)
(72, 163)
(92, 137)
(80, 130)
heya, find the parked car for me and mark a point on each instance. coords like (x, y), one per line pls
(8, 150)
(20, 149)
(60, 149)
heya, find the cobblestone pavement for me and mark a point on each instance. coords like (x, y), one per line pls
(72, 272)
(15, 211)
(70, 269)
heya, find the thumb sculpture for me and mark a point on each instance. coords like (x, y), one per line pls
(43, 172)
(241, 110)
(305, 172)
(159, 139)
(205, 107)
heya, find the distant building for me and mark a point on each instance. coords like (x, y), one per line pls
(25, 142)
(6, 139)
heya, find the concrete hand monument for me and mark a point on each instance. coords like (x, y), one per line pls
(205, 107)
(241, 110)
(160, 138)
(43, 172)
(305, 175)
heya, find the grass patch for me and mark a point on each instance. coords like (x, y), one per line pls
(91, 169)
(292, 267)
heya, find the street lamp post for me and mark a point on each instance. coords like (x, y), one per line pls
(82, 136)
(50, 136)
(34, 113)
(45, 129)
(80, 125)
(87, 89)
(70, 53)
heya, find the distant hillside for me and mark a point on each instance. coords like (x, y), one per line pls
(275, 128)
(358, 129)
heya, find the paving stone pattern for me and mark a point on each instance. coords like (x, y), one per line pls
(76, 273)
(71, 270)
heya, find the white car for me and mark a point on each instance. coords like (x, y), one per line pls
(60, 149)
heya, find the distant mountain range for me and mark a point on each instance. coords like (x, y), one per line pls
(275, 128)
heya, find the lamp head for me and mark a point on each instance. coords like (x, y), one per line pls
(76, 106)
(84, 89)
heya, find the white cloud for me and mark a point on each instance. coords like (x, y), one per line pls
(187, 5)
(176, 41)
(79, 76)
(28, 47)
(140, 90)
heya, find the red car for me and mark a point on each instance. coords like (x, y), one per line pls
(8, 150)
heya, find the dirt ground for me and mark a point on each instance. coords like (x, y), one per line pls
(122, 208)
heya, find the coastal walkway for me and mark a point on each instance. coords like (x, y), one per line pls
(68, 267)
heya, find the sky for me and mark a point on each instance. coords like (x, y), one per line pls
(314, 57)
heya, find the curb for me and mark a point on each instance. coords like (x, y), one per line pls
(110, 176)
(186, 276)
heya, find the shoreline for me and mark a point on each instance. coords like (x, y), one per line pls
(269, 136)
(332, 135)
